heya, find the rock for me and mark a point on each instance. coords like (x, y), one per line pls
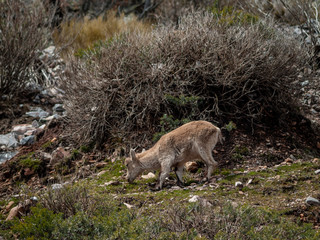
(101, 173)
(29, 140)
(48, 119)
(37, 113)
(21, 209)
(128, 205)
(22, 128)
(288, 160)
(15, 212)
(9, 140)
(317, 171)
(56, 186)
(28, 172)
(249, 182)
(204, 202)
(238, 185)
(58, 155)
(49, 50)
(305, 83)
(194, 199)
(112, 183)
(45, 156)
(175, 188)
(312, 201)
(101, 164)
(192, 167)
(4, 156)
(148, 176)
(9, 205)
(35, 124)
(58, 108)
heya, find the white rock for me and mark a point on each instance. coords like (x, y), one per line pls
(238, 184)
(101, 173)
(148, 176)
(194, 199)
(49, 50)
(9, 140)
(113, 183)
(56, 186)
(312, 201)
(128, 205)
(317, 171)
(249, 182)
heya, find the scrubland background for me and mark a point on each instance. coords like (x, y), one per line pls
(130, 71)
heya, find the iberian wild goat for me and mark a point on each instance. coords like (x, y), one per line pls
(191, 141)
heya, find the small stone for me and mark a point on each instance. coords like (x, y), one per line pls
(288, 160)
(315, 160)
(194, 199)
(58, 108)
(22, 128)
(49, 50)
(29, 140)
(37, 113)
(175, 188)
(58, 155)
(148, 176)
(9, 140)
(249, 182)
(192, 167)
(238, 185)
(35, 124)
(101, 173)
(28, 172)
(56, 186)
(101, 164)
(128, 205)
(9, 206)
(317, 171)
(305, 83)
(312, 201)
(112, 183)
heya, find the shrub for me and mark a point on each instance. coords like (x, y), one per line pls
(69, 200)
(77, 35)
(22, 28)
(245, 72)
(173, 222)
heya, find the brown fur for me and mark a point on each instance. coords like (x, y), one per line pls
(194, 140)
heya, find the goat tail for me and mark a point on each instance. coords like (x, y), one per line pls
(220, 137)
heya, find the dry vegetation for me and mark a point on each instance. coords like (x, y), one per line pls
(203, 68)
(22, 35)
(77, 34)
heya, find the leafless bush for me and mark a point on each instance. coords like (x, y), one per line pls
(69, 200)
(292, 11)
(22, 35)
(244, 72)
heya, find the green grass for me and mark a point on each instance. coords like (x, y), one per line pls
(101, 214)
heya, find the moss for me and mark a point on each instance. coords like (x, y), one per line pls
(28, 161)
(86, 148)
(46, 145)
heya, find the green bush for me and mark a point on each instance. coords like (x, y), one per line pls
(39, 225)
(186, 221)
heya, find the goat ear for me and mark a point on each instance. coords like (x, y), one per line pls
(133, 155)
